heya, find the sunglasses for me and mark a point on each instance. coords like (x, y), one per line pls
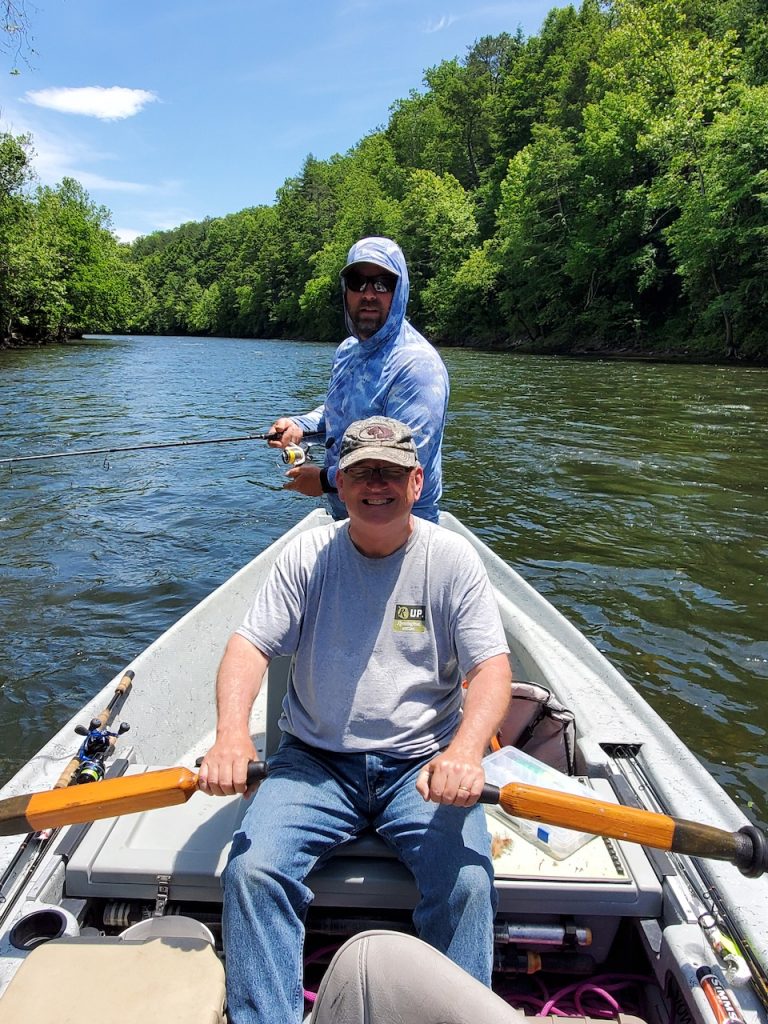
(389, 474)
(382, 283)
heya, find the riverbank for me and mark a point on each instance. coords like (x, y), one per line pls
(697, 355)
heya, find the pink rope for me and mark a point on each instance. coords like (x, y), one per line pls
(599, 987)
(591, 998)
(309, 994)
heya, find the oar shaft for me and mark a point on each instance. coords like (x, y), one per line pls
(746, 849)
(584, 814)
(105, 799)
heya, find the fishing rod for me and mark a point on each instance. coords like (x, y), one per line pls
(275, 436)
(87, 765)
(733, 949)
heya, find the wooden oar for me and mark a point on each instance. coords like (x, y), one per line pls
(106, 799)
(747, 848)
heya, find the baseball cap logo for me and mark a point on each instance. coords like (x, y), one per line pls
(378, 432)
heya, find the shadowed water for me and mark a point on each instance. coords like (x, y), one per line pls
(632, 495)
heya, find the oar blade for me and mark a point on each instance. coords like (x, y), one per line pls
(109, 798)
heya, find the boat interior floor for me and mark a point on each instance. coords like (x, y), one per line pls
(181, 981)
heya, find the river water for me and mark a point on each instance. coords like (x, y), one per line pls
(634, 496)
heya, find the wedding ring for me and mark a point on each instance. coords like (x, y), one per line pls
(463, 789)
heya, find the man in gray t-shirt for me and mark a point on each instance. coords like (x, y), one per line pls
(385, 614)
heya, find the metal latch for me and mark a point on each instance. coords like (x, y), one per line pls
(163, 893)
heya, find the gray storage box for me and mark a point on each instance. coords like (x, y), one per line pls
(124, 858)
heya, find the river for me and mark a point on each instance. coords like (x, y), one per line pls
(634, 496)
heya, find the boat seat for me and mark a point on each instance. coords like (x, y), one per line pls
(160, 981)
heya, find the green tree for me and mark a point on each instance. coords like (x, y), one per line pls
(438, 233)
(535, 223)
(15, 174)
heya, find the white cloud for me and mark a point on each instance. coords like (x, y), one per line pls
(445, 22)
(110, 104)
(89, 180)
(57, 157)
(126, 234)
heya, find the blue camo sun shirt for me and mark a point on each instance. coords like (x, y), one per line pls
(396, 373)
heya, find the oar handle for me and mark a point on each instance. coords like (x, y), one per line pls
(257, 772)
(747, 849)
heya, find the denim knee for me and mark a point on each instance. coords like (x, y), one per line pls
(474, 881)
(257, 880)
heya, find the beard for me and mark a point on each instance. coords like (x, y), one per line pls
(368, 321)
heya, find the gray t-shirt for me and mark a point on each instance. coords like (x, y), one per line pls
(381, 644)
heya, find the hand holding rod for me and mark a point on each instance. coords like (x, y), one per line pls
(747, 848)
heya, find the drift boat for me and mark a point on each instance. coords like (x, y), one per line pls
(596, 926)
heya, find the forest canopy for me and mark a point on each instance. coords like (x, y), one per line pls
(600, 186)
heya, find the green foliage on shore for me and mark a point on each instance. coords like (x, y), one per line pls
(601, 186)
(62, 271)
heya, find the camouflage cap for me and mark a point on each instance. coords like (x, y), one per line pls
(378, 437)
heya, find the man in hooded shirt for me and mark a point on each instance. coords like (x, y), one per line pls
(385, 368)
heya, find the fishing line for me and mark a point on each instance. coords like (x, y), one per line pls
(275, 436)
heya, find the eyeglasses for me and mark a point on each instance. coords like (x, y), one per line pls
(388, 474)
(382, 283)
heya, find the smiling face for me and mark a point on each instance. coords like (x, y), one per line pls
(369, 309)
(379, 508)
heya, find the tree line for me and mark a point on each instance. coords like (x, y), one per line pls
(599, 186)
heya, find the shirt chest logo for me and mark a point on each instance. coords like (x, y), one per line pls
(410, 618)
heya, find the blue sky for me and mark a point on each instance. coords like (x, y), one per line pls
(174, 110)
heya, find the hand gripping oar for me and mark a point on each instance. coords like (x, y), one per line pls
(747, 848)
(126, 795)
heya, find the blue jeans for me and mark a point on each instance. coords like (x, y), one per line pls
(312, 803)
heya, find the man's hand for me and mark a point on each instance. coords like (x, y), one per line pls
(289, 432)
(451, 778)
(456, 775)
(224, 768)
(304, 479)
